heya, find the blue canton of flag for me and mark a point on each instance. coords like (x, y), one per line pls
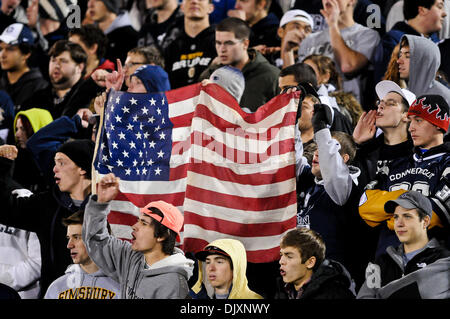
(136, 139)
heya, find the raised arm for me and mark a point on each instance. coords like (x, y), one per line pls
(106, 251)
(335, 173)
(348, 59)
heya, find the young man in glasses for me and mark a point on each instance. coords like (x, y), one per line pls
(150, 267)
(390, 119)
(232, 46)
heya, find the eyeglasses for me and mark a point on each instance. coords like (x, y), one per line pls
(389, 103)
(130, 64)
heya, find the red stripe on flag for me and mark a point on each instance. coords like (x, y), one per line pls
(140, 200)
(183, 93)
(240, 202)
(226, 174)
(220, 123)
(240, 229)
(239, 156)
(120, 218)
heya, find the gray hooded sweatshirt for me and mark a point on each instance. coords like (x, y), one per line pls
(425, 60)
(165, 279)
(78, 284)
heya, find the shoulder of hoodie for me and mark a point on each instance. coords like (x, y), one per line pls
(261, 65)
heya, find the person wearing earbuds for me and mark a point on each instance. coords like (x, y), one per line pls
(418, 267)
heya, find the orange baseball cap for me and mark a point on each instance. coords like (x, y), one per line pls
(172, 219)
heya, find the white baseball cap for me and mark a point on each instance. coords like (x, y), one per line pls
(386, 86)
(296, 15)
(17, 33)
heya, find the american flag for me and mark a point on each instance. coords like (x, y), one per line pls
(232, 174)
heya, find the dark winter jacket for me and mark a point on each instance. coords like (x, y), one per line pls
(79, 96)
(41, 213)
(24, 89)
(374, 154)
(425, 276)
(330, 281)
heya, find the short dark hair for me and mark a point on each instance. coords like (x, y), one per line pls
(308, 242)
(239, 27)
(302, 72)
(151, 55)
(91, 34)
(162, 231)
(411, 7)
(25, 48)
(74, 219)
(77, 218)
(75, 50)
(348, 145)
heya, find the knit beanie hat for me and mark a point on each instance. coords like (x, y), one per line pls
(81, 152)
(231, 79)
(432, 108)
(154, 78)
(56, 10)
(112, 5)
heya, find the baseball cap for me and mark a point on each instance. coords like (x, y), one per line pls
(172, 217)
(384, 87)
(17, 33)
(410, 200)
(210, 250)
(296, 15)
(432, 108)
